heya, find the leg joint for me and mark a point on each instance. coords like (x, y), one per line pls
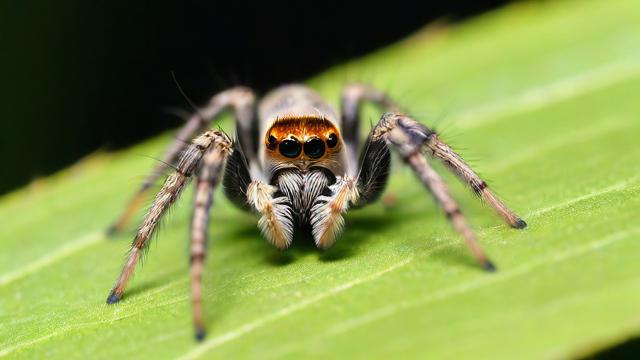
(451, 213)
(478, 186)
(197, 257)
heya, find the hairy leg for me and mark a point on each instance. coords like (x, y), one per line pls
(436, 185)
(352, 98)
(353, 95)
(412, 140)
(208, 179)
(413, 133)
(240, 99)
(189, 162)
(438, 149)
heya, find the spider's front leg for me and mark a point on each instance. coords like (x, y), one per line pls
(412, 140)
(208, 180)
(214, 147)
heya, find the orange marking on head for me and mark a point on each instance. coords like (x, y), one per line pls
(303, 129)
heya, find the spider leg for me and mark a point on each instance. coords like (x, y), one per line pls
(190, 161)
(410, 139)
(208, 179)
(373, 176)
(353, 95)
(436, 185)
(438, 149)
(373, 166)
(240, 99)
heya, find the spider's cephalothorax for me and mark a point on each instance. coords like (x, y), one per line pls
(295, 164)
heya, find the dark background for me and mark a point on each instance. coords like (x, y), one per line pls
(82, 75)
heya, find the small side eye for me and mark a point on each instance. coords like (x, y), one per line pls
(290, 148)
(272, 142)
(332, 140)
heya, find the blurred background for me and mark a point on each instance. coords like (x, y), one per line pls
(79, 76)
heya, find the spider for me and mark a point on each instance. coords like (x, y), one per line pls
(294, 164)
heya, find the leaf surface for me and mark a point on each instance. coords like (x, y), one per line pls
(543, 101)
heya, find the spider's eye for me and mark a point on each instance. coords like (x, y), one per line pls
(271, 142)
(332, 140)
(314, 148)
(290, 148)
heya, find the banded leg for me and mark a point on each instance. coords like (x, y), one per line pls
(240, 99)
(189, 162)
(411, 138)
(436, 185)
(437, 148)
(352, 97)
(208, 179)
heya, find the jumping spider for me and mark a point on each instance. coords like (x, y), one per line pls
(300, 171)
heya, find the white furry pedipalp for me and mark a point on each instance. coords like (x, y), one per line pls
(276, 222)
(326, 214)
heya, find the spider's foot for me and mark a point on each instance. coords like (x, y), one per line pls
(489, 267)
(200, 335)
(113, 298)
(519, 224)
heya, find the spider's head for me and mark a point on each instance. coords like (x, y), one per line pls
(303, 141)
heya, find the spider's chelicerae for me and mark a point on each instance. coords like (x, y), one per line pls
(295, 164)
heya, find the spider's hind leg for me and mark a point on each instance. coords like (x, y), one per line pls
(372, 170)
(240, 99)
(353, 95)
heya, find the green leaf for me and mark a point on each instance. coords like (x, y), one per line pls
(543, 97)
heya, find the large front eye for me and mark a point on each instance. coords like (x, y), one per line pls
(290, 148)
(314, 148)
